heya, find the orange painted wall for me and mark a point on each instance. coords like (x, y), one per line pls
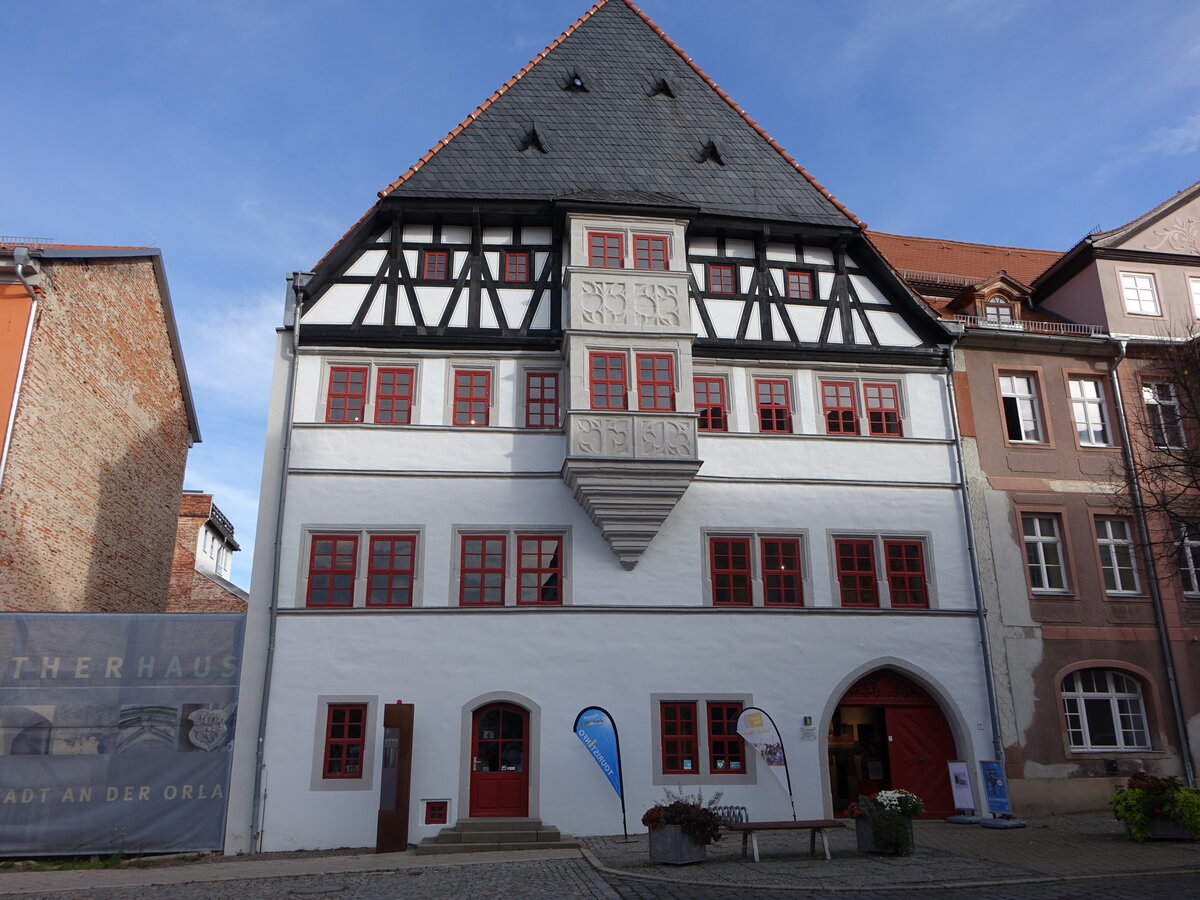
(15, 307)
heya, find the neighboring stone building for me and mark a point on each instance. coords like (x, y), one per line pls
(204, 548)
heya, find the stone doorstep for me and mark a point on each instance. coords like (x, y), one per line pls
(430, 846)
(498, 824)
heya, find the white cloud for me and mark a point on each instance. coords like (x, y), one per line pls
(1177, 141)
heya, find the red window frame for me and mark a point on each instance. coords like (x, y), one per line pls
(346, 400)
(391, 569)
(656, 381)
(720, 279)
(729, 568)
(472, 397)
(345, 740)
(677, 732)
(606, 249)
(856, 572)
(904, 562)
(516, 266)
(609, 388)
(435, 265)
(782, 572)
(773, 399)
(541, 399)
(726, 751)
(485, 565)
(649, 252)
(799, 284)
(710, 403)
(437, 812)
(539, 570)
(332, 568)
(839, 404)
(393, 396)
(882, 402)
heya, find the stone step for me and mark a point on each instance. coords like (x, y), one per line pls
(431, 846)
(499, 824)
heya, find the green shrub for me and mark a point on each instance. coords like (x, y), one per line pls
(1150, 798)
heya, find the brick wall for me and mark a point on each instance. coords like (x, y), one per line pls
(192, 591)
(89, 500)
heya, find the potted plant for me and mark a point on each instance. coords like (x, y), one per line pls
(1154, 807)
(682, 828)
(883, 821)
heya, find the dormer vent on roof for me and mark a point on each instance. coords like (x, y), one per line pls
(662, 88)
(709, 152)
(575, 83)
(531, 140)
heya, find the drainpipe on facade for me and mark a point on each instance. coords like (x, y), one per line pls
(296, 282)
(980, 612)
(1135, 492)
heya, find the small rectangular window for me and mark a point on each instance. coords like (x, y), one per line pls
(1140, 292)
(856, 572)
(883, 409)
(1043, 553)
(1162, 414)
(516, 266)
(606, 249)
(393, 396)
(347, 396)
(541, 399)
(1088, 410)
(649, 252)
(539, 569)
(1022, 411)
(1189, 556)
(678, 735)
(656, 382)
(710, 403)
(730, 569)
(799, 284)
(1115, 541)
(839, 407)
(482, 570)
(782, 575)
(345, 740)
(720, 279)
(608, 384)
(331, 570)
(774, 405)
(435, 266)
(437, 812)
(725, 746)
(905, 563)
(390, 569)
(472, 397)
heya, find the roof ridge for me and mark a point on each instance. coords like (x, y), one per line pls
(1148, 213)
(910, 237)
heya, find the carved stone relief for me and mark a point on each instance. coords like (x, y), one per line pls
(657, 306)
(642, 437)
(629, 304)
(658, 437)
(602, 302)
(602, 436)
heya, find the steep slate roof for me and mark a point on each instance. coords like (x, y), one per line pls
(617, 141)
(973, 262)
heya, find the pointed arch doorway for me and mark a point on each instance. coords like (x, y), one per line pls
(888, 732)
(499, 761)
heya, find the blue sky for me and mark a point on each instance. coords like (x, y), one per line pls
(243, 138)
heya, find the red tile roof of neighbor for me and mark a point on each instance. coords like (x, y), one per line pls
(975, 262)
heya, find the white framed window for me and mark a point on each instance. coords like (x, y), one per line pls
(1089, 411)
(1189, 557)
(1042, 533)
(1162, 414)
(1194, 286)
(998, 310)
(1022, 409)
(1141, 294)
(1115, 541)
(1104, 711)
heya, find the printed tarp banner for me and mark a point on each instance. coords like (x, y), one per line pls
(758, 729)
(595, 728)
(116, 731)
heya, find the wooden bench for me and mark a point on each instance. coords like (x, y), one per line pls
(814, 826)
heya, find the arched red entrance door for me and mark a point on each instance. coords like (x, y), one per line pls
(499, 761)
(887, 732)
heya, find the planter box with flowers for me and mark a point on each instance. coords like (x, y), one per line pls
(1156, 808)
(883, 821)
(682, 828)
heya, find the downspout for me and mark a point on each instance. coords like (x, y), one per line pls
(1135, 492)
(985, 646)
(21, 258)
(295, 287)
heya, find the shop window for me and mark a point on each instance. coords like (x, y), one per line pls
(726, 748)
(678, 733)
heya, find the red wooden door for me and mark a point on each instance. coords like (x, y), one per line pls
(919, 745)
(499, 754)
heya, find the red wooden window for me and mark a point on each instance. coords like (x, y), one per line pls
(482, 570)
(774, 405)
(539, 569)
(678, 737)
(720, 279)
(516, 266)
(729, 561)
(347, 394)
(649, 252)
(725, 747)
(856, 572)
(345, 740)
(472, 397)
(436, 265)
(606, 249)
(710, 403)
(656, 381)
(883, 409)
(783, 580)
(390, 569)
(799, 284)
(437, 812)
(393, 396)
(838, 404)
(331, 568)
(608, 381)
(905, 562)
(541, 399)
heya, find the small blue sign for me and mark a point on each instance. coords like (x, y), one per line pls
(995, 788)
(595, 729)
